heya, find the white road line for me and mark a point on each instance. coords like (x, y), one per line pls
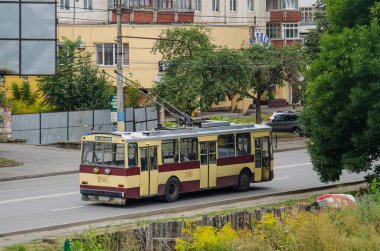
(281, 178)
(294, 165)
(38, 197)
(67, 208)
(12, 190)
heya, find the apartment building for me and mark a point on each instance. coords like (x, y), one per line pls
(308, 10)
(95, 22)
(283, 22)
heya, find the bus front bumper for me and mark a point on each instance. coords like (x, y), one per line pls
(101, 196)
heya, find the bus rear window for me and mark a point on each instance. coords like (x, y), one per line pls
(104, 154)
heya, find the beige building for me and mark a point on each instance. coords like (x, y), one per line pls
(95, 23)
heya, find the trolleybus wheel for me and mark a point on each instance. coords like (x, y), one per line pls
(244, 181)
(171, 190)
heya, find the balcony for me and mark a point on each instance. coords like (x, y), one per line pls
(150, 16)
(285, 42)
(279, 16)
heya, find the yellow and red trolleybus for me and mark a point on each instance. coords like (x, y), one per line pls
(131, 165)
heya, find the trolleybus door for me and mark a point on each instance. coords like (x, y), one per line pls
(262, 158)
(208, 163)
(149, 171)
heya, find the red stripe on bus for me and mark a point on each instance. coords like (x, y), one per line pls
(186, 186)
(114, 170)
(227, 181)
(236, 160)
(190, 186)
(179, 166)
(133, 193)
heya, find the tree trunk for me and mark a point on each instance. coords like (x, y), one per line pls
(234, 103)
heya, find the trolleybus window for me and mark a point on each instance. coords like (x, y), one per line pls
(226, 146)
(106, 154)
(144, 159)
(169, 151)
(243, 144)
(189, 149)
(132, 155)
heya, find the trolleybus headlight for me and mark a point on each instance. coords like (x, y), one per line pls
(95, 170)
(107, 171)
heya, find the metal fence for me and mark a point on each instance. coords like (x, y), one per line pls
(50, 128)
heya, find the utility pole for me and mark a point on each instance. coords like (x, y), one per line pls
(252, 29)
(119, 65)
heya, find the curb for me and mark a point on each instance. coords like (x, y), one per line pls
(178, 209)
(38, 175)
(289, 149)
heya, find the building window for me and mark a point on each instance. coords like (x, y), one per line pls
(165, 4)
(274, 30)
(251, 5)
(282, 4)
(233, 5)
(215, 5)
(307, 15)
(273, 4)
(139, 3)
(87, 4)
(290, 30)
(106, 54)
(169, 151)
(65, 4)
(196, 5)
(183, 4)
(290, 4)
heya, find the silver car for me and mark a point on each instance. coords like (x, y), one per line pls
(285, 122)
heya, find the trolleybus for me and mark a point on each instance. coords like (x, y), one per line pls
(131, 165)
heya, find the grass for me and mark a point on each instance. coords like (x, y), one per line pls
(7, 162)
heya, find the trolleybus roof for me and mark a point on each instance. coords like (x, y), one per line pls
(189, 132)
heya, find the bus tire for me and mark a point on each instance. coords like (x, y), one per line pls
(172, 189)
(244, 180)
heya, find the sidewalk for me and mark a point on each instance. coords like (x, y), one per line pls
(42, 161)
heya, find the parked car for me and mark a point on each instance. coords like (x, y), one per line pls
(285, 122)
(280, 112)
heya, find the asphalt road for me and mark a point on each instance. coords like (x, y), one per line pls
(52, 201)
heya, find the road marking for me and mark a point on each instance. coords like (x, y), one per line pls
(281, 178)
(12, 190)
(294, 165)
(67, 208)
(38, 197)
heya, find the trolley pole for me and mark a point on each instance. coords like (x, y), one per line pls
(119, 62)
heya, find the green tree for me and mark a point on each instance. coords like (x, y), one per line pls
(184, 50)
(349, 13)
(343, 109)
(3, 98)
(268, 67)
(312, 40)
(23, 94)
(224, 74)
(179, 42)
(132, 97)
(78, 84)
